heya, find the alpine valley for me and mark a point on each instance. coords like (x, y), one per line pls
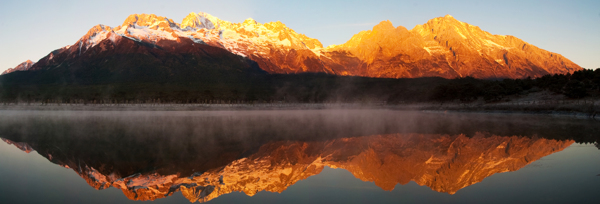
(150, 55)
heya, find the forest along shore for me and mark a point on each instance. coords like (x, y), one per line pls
(576, 108)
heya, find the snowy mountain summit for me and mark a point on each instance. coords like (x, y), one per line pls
(443, 47)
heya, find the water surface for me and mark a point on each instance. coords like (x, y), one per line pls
(299, 156)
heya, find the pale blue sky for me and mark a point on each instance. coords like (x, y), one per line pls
(31, 29)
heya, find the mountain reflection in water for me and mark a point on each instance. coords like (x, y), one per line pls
(146, 162)
(445, 163)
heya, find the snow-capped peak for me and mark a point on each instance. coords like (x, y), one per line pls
(198, 21)
(24, 66)
(96, 35)
(149, 20)
(250, 21)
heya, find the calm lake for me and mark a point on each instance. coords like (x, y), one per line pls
(296, 156)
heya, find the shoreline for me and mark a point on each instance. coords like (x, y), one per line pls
(588, 110)
(583, 110)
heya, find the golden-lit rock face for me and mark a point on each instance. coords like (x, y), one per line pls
(442, 47)
(149, 20)
(449, 48)
(444, 163)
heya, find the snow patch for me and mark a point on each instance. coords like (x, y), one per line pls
(285, 42)
(80, 45)
(427, 49)
(491, 165)
(462, 176)
(460, 33)
(493, 44)
(113, 38)
(203, 22)
(143, 32)
(97, 38)
(434, 49)
(150, 180)
(196, 40)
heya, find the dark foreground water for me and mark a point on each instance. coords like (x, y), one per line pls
(310, 156)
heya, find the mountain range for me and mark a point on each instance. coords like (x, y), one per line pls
(442, 47)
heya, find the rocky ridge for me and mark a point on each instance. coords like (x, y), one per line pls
(21, 67)
(442, 47)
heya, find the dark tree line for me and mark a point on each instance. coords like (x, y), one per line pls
(580, 84)
(232, 86)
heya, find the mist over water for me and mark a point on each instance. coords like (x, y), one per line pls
(279, 124)
(202, 145)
